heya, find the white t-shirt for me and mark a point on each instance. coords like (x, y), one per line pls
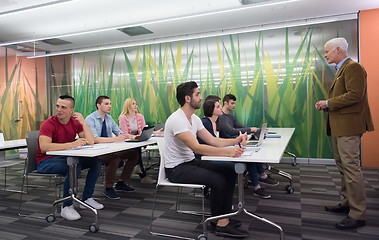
(176, 151)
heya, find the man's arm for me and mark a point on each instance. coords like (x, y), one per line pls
(207, 137)
(46, 144)
(87, 133)
(188, 139)
(355, 84)
(228, 123)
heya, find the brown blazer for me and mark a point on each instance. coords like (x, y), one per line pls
(349, 112)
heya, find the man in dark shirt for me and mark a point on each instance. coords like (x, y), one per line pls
(230, 127)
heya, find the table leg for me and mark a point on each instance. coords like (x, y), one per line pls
(72, 162)
(240, 170)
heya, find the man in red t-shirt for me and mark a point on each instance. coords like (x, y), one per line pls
(58, 133)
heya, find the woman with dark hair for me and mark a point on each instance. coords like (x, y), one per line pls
(212, 110)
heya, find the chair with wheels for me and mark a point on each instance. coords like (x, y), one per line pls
(164, 182)
(30, 170)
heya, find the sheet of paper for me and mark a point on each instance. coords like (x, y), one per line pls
(90, 147)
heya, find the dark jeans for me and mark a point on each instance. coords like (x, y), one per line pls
(140, 163)
(221, 179)
(58, 165)
(254, 170)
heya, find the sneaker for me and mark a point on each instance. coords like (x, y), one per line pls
(69, 213)
(148, 180)
(260, 192)
(121, 186)
(137, 169)
(111, 194)
(92, 203)
(230, 231)
(269, 181)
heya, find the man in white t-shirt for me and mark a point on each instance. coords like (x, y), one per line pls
(181, 130)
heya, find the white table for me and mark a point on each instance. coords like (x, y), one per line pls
(9, 145)
(73, 160)
(271, 151)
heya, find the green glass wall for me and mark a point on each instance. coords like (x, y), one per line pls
(277, 76)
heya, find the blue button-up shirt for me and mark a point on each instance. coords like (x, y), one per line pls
(95, 123)
(338, 66)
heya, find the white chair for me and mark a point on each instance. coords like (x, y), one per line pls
(6, 163)
(164, 182)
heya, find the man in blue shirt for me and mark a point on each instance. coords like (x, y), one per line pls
(102, 126)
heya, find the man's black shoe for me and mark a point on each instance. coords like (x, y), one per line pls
(229, 231)
(337, 209)
(234, 222)
(349, 223)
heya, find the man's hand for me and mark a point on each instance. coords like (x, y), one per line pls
(79, 117)
(121, 137)
(235, 152)
(253, 129)
(79, 142)
(321, 105)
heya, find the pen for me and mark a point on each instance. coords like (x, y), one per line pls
(239, 144)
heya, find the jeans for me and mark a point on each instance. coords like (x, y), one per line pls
(140, 163)
(221, 180)
(254, 170)
(58, 165)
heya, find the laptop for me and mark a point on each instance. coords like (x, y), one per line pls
(145, 135)
(261, 137)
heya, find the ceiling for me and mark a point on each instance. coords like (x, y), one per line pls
(52, 26)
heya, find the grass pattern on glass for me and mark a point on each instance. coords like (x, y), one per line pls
(152, 73)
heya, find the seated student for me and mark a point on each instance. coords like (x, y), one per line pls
(102, 126)
(212, 110)
(132, 122)
(230, 127)
(58, 132)
(181, 130)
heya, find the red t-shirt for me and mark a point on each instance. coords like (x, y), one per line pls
(58, 132)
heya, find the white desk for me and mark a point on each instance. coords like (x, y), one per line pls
(271, 151)
(12, 144)
(110, 148)
(9, 145)
(73, 160)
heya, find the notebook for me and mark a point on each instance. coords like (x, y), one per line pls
(145, 135)
(261, 137)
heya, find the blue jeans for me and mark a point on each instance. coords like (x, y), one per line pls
(58, 165)
(254, 170)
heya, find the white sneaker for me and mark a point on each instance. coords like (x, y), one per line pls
(70, 213)
(92, 203)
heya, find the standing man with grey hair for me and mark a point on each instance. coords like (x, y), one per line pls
(348, 118)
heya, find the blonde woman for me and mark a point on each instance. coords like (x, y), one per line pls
(132, 122)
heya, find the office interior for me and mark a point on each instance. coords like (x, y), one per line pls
(268, 53)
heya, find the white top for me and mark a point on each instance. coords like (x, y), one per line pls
(176, 151)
